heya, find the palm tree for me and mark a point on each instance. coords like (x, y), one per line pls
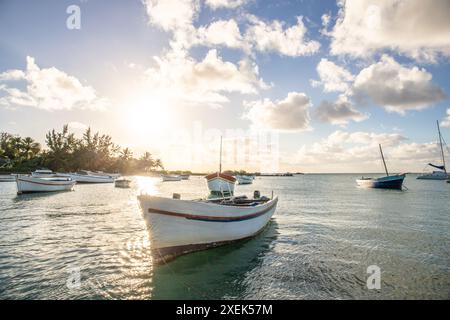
(126, 154)
(29, 148)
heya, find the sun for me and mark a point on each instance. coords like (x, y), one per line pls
(148, 114)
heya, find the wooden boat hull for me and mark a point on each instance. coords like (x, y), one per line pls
(185, 177)
(33, 184)
(178, 226)
(389, 182)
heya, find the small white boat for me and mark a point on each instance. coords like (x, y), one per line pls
(101, 173)
(442, 174)
(244, 179)
(122, 183)
(7, 177)
(435, 175)
(170, 177)
(27, 184)
(185, 176)
(178, 227)
(88, 177)
(43, 173)
(221, 184)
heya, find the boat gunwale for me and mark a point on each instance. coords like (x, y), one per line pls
(266, 207)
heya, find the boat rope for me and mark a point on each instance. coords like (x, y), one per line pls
(446, 145)
(405, 187)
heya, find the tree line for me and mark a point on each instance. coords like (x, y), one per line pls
(66, 153)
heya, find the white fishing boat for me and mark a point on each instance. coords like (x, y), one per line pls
(43, 173)
(243, 179)
(101, 173)
(28, 184)
(170, 177)
(88, 177)
(220, 184)
(185, 177)
(442, 173)
(7, 177)
(387, 182)
(178, 226)
(122, 183)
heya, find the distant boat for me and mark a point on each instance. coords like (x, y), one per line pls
(220, 184)
(122, 183)
(28, 184)
(185, 176)
(7, 177)
(179, 227)
(88, 177)
(101, 173)
(387, 182)
(242, 179)
(442, 173)
(170, 177)
(43, 173)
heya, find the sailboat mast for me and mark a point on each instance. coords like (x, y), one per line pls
(442, 149)
(220, 161)
(384, 162)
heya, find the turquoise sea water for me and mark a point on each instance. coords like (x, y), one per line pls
(323, 236)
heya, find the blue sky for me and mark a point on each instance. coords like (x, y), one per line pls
(147, 73)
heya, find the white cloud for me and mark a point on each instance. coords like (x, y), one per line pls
(275, 37)
(446, 122)
(358, 152)
(231, 4)
(340, 112)
(49, 89)
(183, 79)
(415, 28)
(178, 17)
(172, 14)
(396, 87)
(221, 32)
(326, 18)
(77, 125)
(332, 77)
(289, 114)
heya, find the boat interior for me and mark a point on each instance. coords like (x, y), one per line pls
(241, 201)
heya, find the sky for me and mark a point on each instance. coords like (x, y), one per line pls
(299, 86)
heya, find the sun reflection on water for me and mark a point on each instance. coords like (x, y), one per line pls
(147, 185)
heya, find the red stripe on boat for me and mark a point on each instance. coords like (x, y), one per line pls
(212, 218)
(220, 175)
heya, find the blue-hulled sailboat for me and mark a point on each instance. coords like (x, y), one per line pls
(387, 182)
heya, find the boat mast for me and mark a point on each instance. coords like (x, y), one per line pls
(440, 143)
(220, 161)
(384, 162)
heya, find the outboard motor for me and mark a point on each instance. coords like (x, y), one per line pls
(256, 194)
(176, 196)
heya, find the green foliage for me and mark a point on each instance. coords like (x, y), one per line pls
(66, 153)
